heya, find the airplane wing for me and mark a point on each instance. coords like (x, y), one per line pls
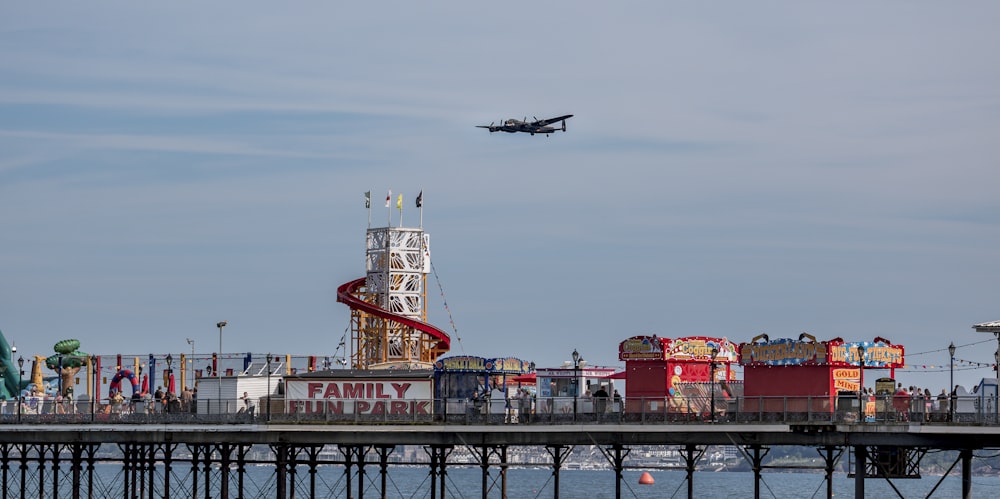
(552, 120)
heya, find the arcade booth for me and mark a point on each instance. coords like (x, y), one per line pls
(574, 390)
(812, 380)
(472, 387)
(677, 376)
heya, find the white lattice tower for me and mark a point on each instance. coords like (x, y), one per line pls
(397, 263)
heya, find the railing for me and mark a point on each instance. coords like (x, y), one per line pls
(842, 409)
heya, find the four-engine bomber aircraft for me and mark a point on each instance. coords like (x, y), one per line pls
(532, 127)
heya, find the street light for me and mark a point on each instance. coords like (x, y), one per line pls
(711, 379)
(220, 325)
(951, 380)
(170, 371)
(576, 380)
(20, 365)
(861, 382)
(269, 387)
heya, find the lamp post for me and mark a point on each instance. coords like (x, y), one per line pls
(59, 372)
(951, 380)
(170, 371)
(93, 394)
(576, 381)
(861, 382)
(20, 366)
(220, 325)
(268, 387)
(711, 379)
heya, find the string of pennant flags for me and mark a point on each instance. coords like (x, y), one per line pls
(960, 365)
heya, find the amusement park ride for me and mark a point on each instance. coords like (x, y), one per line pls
(389, 326)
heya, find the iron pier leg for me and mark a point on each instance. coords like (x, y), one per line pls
(362, 451)
(966, 455)
(348, 453)
(280, 455)
(829, 460)
(618, 460)
(23, 451)
(207, 470)
(168, 451)
(91, 458)
(484, 464)
(313, 453)
(293, 463)
(439, 458)
(383, 464)
(503, 472)
(756, 470)
(690, 460)
(559, 454)
(241, 467)
(226, 455)
(42, 449)
(860, 456)
(4, 465)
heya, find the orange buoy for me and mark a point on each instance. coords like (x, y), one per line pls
(646, 478)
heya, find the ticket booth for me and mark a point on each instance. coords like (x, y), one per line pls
(803, 379)
(570, 390)
(676, 375)
(467, 386)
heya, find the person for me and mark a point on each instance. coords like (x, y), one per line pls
(248, 405)
(185, 400)
(942, 400)
(901, 402)
(158, 397)
(617, 397)
(601, 400)
(524, 406)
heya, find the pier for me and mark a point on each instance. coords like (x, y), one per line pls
(170, 455)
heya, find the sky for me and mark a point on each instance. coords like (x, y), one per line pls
(731, 168)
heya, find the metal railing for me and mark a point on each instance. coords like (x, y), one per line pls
(842, 409)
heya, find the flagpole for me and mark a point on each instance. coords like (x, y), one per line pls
(421, 207)
(368, 204)
(388, 209)
(399, 206)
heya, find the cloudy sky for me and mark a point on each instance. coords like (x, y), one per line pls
(731, 169)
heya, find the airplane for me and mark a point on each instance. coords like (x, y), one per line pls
(532, 127)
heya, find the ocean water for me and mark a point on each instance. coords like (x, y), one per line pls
(522, 483)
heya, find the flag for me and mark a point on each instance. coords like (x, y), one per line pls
(387, 198)
(420, 199)
(368, 199)
(399, 202)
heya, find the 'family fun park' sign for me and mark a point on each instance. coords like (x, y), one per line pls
(359, 396)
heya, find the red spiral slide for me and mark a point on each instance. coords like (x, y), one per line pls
(346, 294)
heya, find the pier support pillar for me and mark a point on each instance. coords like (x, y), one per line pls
(383, 452)
(559, 454)
(692, 454)
(439, 459)
(829, 460)
(860, 465)
(617, 456)
(484, 453)
(280, 471)
(966, 456)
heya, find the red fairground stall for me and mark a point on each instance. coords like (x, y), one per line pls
(657, 368)
(807, 376)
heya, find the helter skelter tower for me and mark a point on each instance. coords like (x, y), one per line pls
(389, 326)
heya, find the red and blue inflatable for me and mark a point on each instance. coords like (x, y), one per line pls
(116, 381)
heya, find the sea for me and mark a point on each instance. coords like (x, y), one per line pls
(522, 483)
